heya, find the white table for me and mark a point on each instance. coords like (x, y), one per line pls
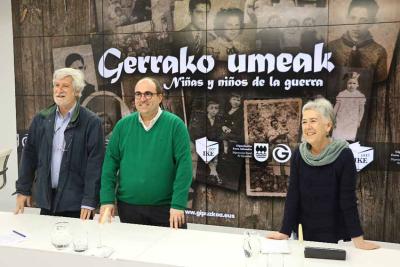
(139, 245)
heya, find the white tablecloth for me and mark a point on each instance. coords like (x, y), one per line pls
(139, 245)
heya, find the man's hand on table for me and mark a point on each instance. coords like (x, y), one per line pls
(176, 218)
(21, 201)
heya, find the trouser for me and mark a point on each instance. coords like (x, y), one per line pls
(71, 214)
(148, 215)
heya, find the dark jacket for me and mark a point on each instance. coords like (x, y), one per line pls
(323, 200)
(80, 171)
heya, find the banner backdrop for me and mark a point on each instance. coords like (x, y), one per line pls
(237, 73)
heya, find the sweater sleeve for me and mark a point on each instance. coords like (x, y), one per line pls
(291, 213)
(347, 195)
(110, 168)
(183, 161)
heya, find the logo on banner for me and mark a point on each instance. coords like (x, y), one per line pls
(22, 138)
(206, 149)
(281, 153)
(260, 152)
(363, 155)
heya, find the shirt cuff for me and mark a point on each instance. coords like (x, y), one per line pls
(87, 207)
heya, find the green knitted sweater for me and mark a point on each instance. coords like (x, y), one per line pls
(152, 167)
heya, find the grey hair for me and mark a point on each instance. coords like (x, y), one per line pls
(324, 107)
(78, 79)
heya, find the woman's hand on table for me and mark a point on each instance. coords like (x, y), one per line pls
(360, 243)
(277, 236)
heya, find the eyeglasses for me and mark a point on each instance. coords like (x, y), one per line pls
(147, 95)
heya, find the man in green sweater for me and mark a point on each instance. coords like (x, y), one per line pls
(149, 155)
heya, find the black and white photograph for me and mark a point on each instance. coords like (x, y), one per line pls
(78, 57)
(112, 14)
(212, 27)
(229, 32)
(273, 122)
(384, 11)
(350, 91)
(191, 17)
(162, 17)
(230, 35)
(363, 43)
(349, 108)
(260, 12)
(138, 44)
(130, 45)
(290, 28)
(109, 107)
(222, 124)
(190, 24)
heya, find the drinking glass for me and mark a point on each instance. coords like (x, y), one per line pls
(80, 240)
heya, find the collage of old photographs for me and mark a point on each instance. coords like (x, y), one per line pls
(360, 34)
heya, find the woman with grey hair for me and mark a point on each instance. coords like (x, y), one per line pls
(321, 195)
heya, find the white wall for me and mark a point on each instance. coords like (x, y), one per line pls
(7, 104)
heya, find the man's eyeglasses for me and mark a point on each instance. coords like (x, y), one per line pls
(147, 95)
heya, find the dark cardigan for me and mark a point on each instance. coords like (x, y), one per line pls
(323, 200)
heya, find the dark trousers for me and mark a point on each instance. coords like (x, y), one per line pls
(148, 215)
(71, 214)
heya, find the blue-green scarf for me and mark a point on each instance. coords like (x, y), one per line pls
(328, 155)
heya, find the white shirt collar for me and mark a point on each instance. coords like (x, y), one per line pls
(152, 122)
